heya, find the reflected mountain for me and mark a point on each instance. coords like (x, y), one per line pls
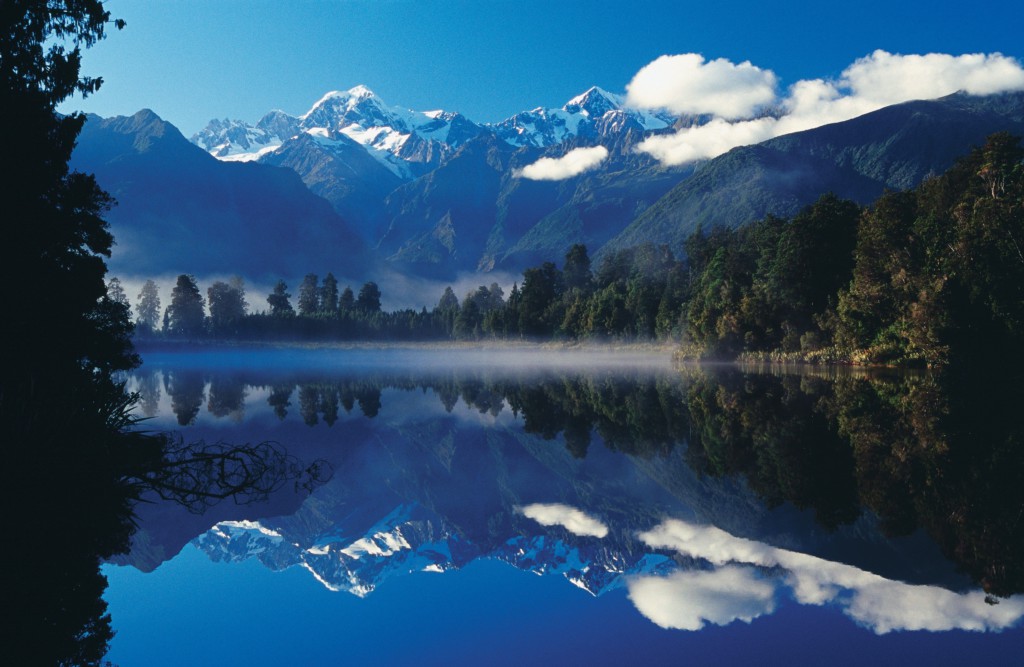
(707, 494)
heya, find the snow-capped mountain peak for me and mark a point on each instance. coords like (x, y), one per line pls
(237, 141)
(593, 114)
(595, 103)
(406, 142)
(409, 143)
(412, 538)
(338, 110)
(403, 140)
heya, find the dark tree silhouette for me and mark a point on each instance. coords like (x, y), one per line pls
(329, 295)
(186, 310)
(278, 300)
(198, 475)
(227, 304)
(347, 300)
(368, 300)
(67, 346)
(309, 295)
(73, 455)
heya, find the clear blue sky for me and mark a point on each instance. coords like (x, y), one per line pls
(192, 60)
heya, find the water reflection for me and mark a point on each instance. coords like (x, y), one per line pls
(737, 589)
(812, 489)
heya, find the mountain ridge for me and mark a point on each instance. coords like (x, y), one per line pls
(182, 211)
(460, 206)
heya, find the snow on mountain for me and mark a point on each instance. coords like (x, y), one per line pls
(403, 140)
(409, 539)
(412, 538)
(410, 142)
(407, 142)
(594, 114)
(236, 141)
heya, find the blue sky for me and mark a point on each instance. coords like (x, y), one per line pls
(192, 60)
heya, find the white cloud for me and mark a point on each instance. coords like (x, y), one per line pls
(705, 141)
(891, 605)
(870, 83)
(687, 84)
(880, 604)
(570, 518)
(887, 78)
(686, 600)
(573, 163)
(707, 542)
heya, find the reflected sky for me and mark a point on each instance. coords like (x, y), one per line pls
(452, 490)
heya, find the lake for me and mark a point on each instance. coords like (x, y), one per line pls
(602, 507)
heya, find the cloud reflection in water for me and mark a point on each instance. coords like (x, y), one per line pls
(575, 521)
(734, 590)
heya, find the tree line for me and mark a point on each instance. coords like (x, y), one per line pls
(635, 294)
(919, 277)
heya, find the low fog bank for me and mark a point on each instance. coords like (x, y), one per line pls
(536, 356)
(511, 356)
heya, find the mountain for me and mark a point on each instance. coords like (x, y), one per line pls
(438, 195)
(411, 538)
(596, 208)
(434, 194)
(595, 114)
(409, 143)
(343, 173)
(182, 211)
(895, 148)
(234, 140)
(350, 148)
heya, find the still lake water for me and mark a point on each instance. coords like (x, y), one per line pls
(596, 508)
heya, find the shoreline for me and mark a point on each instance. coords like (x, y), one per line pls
(484, 346)
(646, 351)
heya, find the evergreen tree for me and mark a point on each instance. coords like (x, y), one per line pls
(576, 270)
(496, 297)
(329, 295)
(347, 300)
(227, 304)
(185, 313)
(309, 295)
(469, 319)
(368, 300)
(446, 312)
(147, 309)
(279, 300)
(56, 231)
(448, 301)
(540, 308)
(115, 292)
